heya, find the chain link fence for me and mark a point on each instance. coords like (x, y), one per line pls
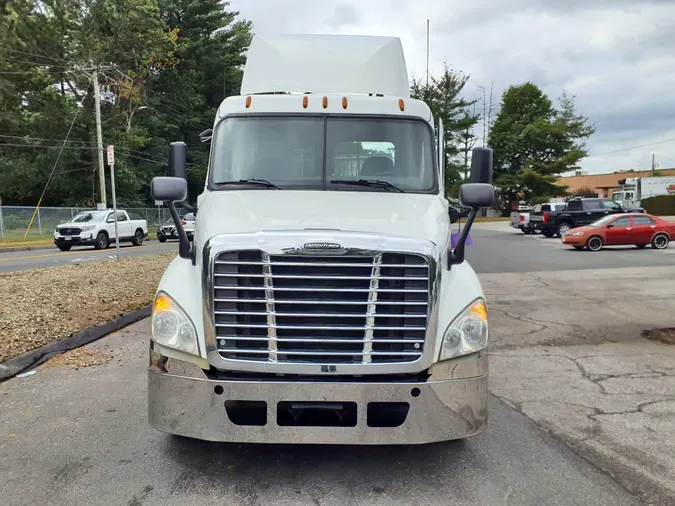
(14, 220)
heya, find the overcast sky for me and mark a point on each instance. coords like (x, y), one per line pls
(616, 56)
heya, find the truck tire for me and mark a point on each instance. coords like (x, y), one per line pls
(660, 241)
(562, 228)
(548, 233)
(64, 247)
(102, 241)
(161, 239)
(138, 238)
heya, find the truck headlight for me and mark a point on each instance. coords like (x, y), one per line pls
(88, 227)
(172, 327)
(467, 333)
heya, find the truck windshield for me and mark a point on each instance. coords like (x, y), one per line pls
(352, 154)
(89, 216)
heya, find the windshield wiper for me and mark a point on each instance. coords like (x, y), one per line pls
(259, 182)
(369, 182)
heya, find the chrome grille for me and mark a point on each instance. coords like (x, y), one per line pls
(320, 309)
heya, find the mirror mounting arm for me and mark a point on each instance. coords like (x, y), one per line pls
(456, 256)
(185, 250)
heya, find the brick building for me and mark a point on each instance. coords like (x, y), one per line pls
(604, 184)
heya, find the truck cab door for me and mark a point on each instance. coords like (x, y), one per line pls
(441, 157)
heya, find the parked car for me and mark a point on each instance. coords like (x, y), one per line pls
(521, 219)
(639, 229)
(167, 230)
(577, 212)
(97, 228)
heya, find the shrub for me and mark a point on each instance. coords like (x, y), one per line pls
(661, 205)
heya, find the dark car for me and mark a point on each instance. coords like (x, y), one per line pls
(167, 230)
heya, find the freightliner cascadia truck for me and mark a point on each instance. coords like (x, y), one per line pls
(323, 298)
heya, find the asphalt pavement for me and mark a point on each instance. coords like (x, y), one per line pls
(500, 248)
(22, 260)
(81, 437)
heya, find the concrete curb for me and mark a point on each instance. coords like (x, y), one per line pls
(12, 249)
(16, 365)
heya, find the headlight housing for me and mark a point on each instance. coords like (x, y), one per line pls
(467, 333)
(88, 227)
(172, 327)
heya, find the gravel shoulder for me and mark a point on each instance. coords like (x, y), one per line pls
(41, 306)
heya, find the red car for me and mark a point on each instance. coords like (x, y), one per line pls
(639, 229)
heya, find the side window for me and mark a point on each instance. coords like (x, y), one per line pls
(559, 207)
(592, 205)
(622, 222)
(608, 204)
(643, 220)
(545, 207)
(121, 216)
(574, 205)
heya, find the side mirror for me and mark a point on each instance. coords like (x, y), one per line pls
(481, 165)
(610, 226)
(476, 195)
(178, 160)
(168, 189)
(206, 135)
(171, 190)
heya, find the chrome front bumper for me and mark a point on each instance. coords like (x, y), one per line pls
(451, 404)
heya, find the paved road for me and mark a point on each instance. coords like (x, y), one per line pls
(499, 248)
(22, 260)
(80, 437)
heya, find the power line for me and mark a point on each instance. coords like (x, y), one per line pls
(125, 152)
(56, 162)
(631, 148)
(34, 54)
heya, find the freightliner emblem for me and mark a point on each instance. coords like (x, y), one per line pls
(322, 246)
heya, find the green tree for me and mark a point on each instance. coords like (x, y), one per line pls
(585, 192)
(173, 61)
(533, 143)
(444, 96)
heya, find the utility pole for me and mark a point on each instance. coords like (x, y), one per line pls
(427, 53)
(99, 140)
(653, 164)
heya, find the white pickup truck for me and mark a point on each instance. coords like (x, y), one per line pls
(97, 228)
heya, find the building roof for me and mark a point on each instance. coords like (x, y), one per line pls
(606, 181)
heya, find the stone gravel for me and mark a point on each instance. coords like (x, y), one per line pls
(40, 306)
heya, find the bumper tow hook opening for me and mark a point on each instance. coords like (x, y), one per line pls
(316, 414)
(247, 412)
(387, 414)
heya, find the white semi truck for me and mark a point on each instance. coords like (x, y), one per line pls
(320, 300)
(632, 190)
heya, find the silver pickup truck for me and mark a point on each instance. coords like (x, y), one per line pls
(521, 219)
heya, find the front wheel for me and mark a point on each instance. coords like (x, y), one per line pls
(102, 241)
(64, 247)
(138, 238)
(595, 243)
(660, 241)
(161, 239)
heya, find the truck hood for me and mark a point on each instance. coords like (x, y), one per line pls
(396, 214)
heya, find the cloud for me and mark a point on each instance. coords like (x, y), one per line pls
(616, 56)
